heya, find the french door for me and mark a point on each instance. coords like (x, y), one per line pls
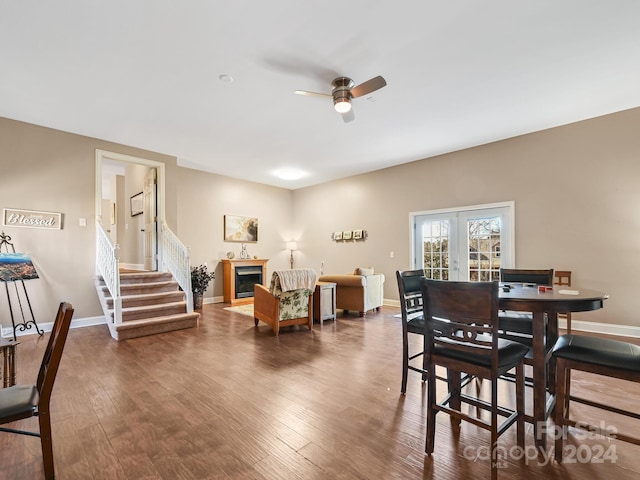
(469, 244)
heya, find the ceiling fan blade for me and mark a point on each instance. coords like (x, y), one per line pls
(367, 87)
(312, 94)
(348, 116)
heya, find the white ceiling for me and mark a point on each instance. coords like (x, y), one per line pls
(459, 73)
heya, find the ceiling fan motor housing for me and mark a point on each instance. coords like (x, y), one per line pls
(342, 90)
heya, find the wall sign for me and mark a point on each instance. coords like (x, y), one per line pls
(12, 217)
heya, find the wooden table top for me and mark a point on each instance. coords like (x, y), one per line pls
(557, 299)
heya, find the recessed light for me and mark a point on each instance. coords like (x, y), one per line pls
(224, 78)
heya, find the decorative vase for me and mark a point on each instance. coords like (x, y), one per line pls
(197, 301)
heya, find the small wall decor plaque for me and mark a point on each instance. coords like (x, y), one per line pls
(12, 217)
(347, 235)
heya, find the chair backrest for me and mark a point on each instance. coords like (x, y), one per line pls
(462, 316)
(517, 275)
(410, 292)
(53, 352)
(563, 277)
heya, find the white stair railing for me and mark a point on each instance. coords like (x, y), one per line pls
(174, 258)
(108, 265)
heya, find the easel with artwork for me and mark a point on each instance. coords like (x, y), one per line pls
(14, 268)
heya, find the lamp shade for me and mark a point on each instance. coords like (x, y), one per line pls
(292, 246)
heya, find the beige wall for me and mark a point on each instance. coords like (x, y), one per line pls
(49, 170)
(204, 199)
(577, 196)
(575, 190)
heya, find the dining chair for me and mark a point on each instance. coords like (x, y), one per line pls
(563, 278)
(24, 401)
(461, 321)
(601, 356)
(518, 325)
(410, 294)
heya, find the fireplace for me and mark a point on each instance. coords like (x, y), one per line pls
(240, 276)
(246, 278)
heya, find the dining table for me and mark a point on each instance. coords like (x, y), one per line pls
(545, 303)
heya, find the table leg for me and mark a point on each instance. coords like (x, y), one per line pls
(552, 337)
(539, 380)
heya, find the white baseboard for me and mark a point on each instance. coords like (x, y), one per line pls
(209, 300)
(602, 328)
(75, 323)
(577, 325)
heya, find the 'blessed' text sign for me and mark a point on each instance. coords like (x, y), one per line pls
(31, 219)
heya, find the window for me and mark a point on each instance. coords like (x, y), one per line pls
(470, 243)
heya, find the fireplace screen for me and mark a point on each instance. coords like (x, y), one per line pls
(246, 278)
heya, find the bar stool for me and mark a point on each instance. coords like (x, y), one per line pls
(563, 277)
(601, 356)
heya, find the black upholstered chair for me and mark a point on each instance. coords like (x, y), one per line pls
(24, 401)
(518, 325)
(601, 356)
(410, 294)
(461, 321)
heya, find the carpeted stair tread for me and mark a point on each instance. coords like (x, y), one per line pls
(142, 288)
(154, 326)
(156, 320)
(156, 298)
(144, 277)
(147, 311)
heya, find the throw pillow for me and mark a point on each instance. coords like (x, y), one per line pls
(363, 271)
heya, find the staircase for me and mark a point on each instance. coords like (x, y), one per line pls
(151, 303)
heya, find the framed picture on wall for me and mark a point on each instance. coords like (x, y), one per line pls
(240, 229)
(357, 234)
(337, 235)
(137, 204)
(346, 235)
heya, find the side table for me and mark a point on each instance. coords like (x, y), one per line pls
(324, 301)
(9, 362)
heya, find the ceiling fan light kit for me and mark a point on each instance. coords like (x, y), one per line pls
(342, 105)
(344, 90)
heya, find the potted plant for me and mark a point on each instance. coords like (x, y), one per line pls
(200, 279)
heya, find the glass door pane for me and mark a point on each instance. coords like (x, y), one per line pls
(469, 245)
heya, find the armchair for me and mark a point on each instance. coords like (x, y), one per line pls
(287, 301)
(360, 291)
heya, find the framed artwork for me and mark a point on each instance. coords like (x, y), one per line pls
(240, 229)
(346, 235)
(16, 266)
(137, 204)
(337, 235)
(357, 234)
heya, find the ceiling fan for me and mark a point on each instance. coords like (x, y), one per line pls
(344, 90)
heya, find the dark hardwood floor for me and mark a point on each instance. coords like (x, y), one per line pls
(227, 400)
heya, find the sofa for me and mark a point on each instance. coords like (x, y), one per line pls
(359, 291)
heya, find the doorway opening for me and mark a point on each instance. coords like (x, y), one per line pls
(129, 204)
